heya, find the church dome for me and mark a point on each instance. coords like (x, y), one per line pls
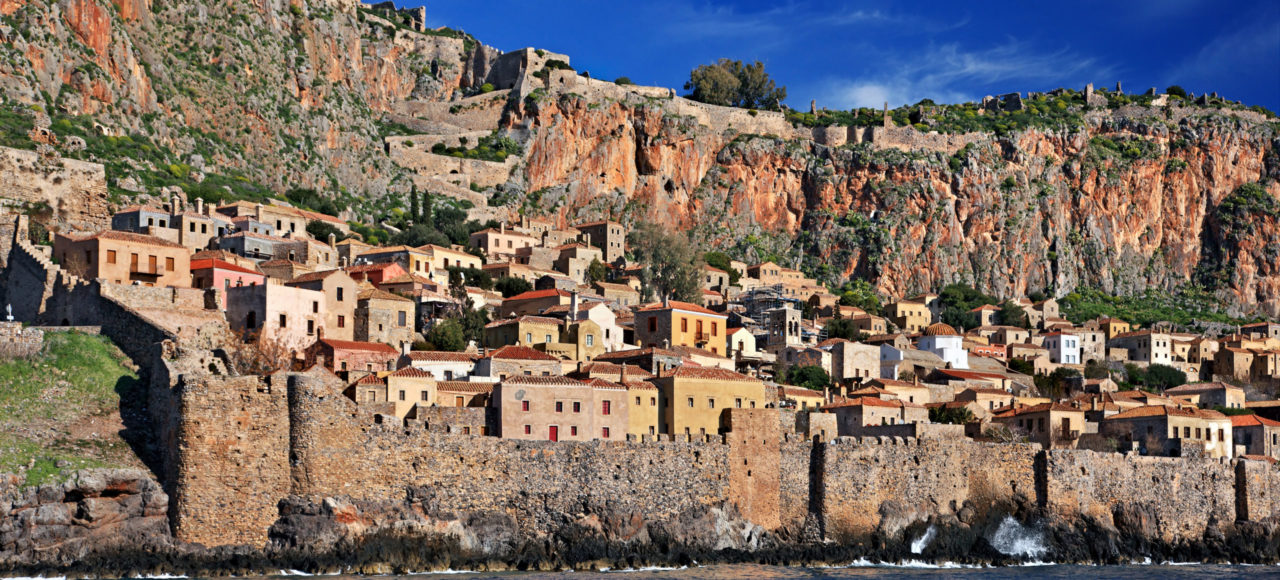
(940, 329)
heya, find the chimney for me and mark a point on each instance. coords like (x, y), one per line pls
(257, 212)
(333, 239)
(573, 307)
(579, 366)
(502, 228)
(200, 205)
(404, 348)
(588, 237)
(666, 343)
(622, 376)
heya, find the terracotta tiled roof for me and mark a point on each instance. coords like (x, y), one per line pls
(603, 384)
(361, 268)
(985, 307)
(798, 392)
(375, 294)
(612, 370)
(1165, 411)
(313, 276)
(971, 374)
(354, 345)
(411, 372)
(1252, 421)
(209, 264)
(279, 262)
(513, 352)
(126, 237)
(542, 381)
(538, 294)
(463, 387)
(441, 356)
(523, 320)
(870, 402)
(1266, 458)
(1197, 388)
(407, 279)
(1041, 408)
(984, 391)
(370, 380)
(709, 373)
(678, 305)
(388, 250)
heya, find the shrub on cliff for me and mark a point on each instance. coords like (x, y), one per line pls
(622, 81)
(731, 83)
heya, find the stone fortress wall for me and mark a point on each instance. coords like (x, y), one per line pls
(75, 191)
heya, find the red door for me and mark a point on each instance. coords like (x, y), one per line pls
(555, 433)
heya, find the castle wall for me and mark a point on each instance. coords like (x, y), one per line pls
(1184, 494)
(76, 191)
(1257, 490)
(420, 160)
(914, 479)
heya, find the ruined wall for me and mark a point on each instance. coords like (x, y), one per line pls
(420, 160)
(75, 191)
(914, 479)
(1185, 495)
(16, 341)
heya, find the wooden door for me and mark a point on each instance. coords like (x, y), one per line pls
(555, 433)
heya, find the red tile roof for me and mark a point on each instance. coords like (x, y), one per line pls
(211, 263)
(441, 356)
(370, 380)
(1252, 421)
(375, 294)
(537, 294)
(413, 373)
(613, 370)
(524, 320)
(513, 352)
(354, 345)
(678, 305)
(463, 387)
(542, 381)
(871, 402)
(313, 276)
(1165, 411)
(709, 374)
(126, 237)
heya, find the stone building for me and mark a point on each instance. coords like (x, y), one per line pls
(339, 306)
(1143, 346)
(348, 357)
(501, 243)
(557, 408)
(522, 330)
(610, 337)
(856, 415)
(1258, 436)
(573, 260)
(413, 260)
(1049, 424)
(375, 274)
(219, 274)
(408, 387)
(512, 361)
(282, 270)
(854, 362)
(1210, 395)
(909, 315)
(283, 315)
(443, 365)
(384, 317)
(534, 302)
(694, 398)
(464, 394)
(620, 294)
(714, 279)
(609, 236)
(124, 258)
(1173, 431)
(681, 323)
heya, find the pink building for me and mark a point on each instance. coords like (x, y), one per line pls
(213, 273)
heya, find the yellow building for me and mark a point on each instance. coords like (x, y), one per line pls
(643, 415)
(910, 315)
(676, 323)
(693, 398)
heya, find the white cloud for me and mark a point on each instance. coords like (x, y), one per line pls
(949, 74)
(1241, 53)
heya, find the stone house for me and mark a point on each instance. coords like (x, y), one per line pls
(574, 259)
(500, 243)
(349, 249)
(463, 394)
(802, 356)
(800, 398)
(913, 392)
(714, 279)
(441, 259)
(315, 254)
(869, 324)
(1233, 362)
(1010, 335)
(539, 258)
(855, 415)
(375, 274)
(250, 225)
(347, 357)
(258, 247)
(443, 365)
(783, 328)
(1258, 435)
(986, 398)
(340, 296)
(1026, 351)
(579, 340)
(140, 219)
(413, 260)
(498, 270)
(643, 413)
(558, 408)
(1261, 330)
(620, 294)
(910, 315)
(998, 352)
(522, 330)
(284, 315)
(1166, 430)
(384, 317)
(854, 362)
(1052, 425)
(681, 323)
(1064, 348)
(1093, 345)
(1110, 327)
(609, 236)
(712, 299)
(611, 334)
(1210, 395)
(512, 361)
(904, 363)
(694, 398)
(408, 387)
(986, 314)
(283, 270)
(283, 218)
(652, 359)
(124, 258)
(534, 302)
(212, 273)
(1144, 346)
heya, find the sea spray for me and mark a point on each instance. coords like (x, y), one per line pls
(919, 544)
(1014, 539)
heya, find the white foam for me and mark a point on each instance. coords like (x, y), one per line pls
(1014, 539)
(922, 542)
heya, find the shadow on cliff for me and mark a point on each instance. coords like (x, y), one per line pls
(137, 432)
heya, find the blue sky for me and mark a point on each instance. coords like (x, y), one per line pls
(847, 54)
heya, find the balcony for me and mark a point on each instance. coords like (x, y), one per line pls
(141, 272)
(701, 337)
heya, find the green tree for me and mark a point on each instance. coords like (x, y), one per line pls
(844, 328)
(415, 212)
(622, 81)
(1054, 384)
(808, 376)
(721, 260)
(1093, 370)
(1176, 91)
(731, 83)
(1021, 366)
(1164, 377)
(956, 416)
(320, 230)
(510, 286)
(671, 266)
(1013, 315)
(860, 294)
(596, 272)
(446, 335)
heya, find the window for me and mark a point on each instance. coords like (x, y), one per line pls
(605, 407)
(690, 402)
(684, 325)
(699, 328)
(524, 406)
(1198, 433)
(311, 327)
(528, 338)
(403, 317)
(573, 430)
(111, 256)
(1221, 436)
(715, 327)
(422, 395)
(591, 340)
(344, 365)
(401, 395)
(711, 403)
(340, 294)
(1186, 432)
(342, 321)
(577, 407)
(315, 307)
(559, 407)
(637, 401)
(528, 430)
(547, 338)
(458, 402)
(653, 324)
(284, 321)
(753, 404)
(653, 401)
(604, 433)
(737, 403)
